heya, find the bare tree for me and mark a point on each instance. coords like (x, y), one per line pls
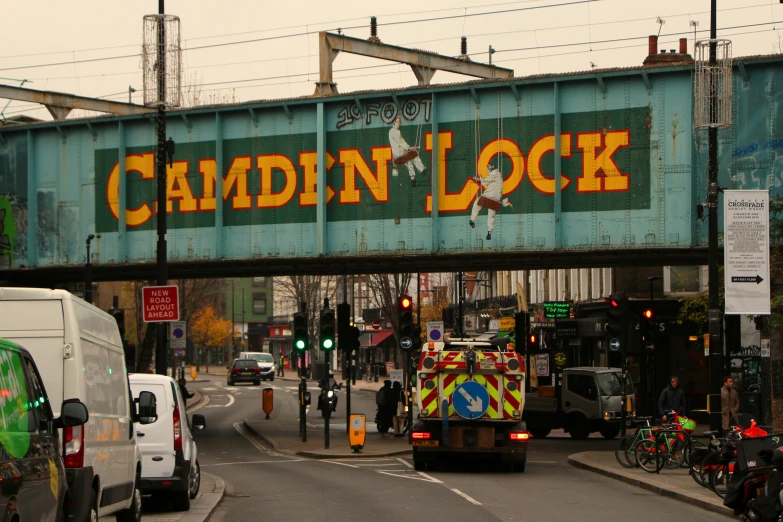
(308, 289)
(386, 288)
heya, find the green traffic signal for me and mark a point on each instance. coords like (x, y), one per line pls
(300, 344)
(328, 344)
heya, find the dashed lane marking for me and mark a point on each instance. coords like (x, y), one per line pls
(466, 496)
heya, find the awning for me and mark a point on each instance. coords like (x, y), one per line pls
(375, 337)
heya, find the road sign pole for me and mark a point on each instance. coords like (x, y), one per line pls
(326, 404)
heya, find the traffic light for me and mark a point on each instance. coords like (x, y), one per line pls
(448, 318)
(327, 329)
(301, 336)
(119, 316)
(405, 321)
(343, 324)
(521, 330)
(532, 342)
(350, 339)
(647, 327)
(416, 337)
(616, 316)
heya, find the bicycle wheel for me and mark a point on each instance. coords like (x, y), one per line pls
(694, 463)
(674, 446)
(719, 480)
(708, 465)
(644, 453)
(625, 452)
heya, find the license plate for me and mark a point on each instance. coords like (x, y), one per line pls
(426, 443)
(246, 373)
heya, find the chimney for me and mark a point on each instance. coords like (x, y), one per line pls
(652, 45)
(683, 46)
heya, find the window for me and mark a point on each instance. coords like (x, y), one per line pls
(259, 281)
(582, 385)
(259, 303)
(39, 403)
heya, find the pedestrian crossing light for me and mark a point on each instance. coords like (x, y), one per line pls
(300, 331)
(405, 321)
(327, 329)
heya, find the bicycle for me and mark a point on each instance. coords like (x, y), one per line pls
(625, 453)
(667, 450)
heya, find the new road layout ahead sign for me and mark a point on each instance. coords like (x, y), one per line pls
(161, 303)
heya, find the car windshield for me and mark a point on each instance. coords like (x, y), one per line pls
(609, 383)
(245, 363)
(261, 357)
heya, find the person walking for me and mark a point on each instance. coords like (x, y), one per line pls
(382, 397)
(183, 389)
(280, 366)
(399, 408)
(729, 401)
(672, 399)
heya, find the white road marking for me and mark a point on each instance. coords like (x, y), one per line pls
(340, 463)
(410, 466)
(253, 462)
(405, 476)
(230, 401)
(431, 479)
(201, 404)
(208, 389)
(240, 427)
(466, 497)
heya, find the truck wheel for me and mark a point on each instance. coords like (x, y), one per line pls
(577, 427)
(610, 433)
(540, 432)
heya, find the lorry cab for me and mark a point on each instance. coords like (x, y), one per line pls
(582, 401)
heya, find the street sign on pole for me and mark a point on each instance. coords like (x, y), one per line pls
(178, 337)
(376, 325)
(435, 331)
(160, 303)
(614, 344)
(746, 251)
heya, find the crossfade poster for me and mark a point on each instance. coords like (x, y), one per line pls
(746, 252)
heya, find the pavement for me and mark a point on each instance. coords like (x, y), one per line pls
(676, 484)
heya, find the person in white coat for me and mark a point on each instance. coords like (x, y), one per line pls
(491, 198)
(400, 148)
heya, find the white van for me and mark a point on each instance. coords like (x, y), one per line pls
(79, 354)
(169, 454)
(266, 362)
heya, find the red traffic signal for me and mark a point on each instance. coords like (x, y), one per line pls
(405, 302)
(648, 314)
(612, 302)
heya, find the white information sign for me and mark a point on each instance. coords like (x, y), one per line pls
(178, 334)
(396, 376)
(746, 251)
(542, 365)
(435, 331)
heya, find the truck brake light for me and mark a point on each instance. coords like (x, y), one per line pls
(73, 446)
(420, 435)
(518, 435)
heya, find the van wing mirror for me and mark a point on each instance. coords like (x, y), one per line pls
(147, 408)
(198, 421)
(72, 413)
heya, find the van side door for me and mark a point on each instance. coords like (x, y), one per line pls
(581, 394)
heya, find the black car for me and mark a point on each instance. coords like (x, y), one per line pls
(33, 483)
(244, 370)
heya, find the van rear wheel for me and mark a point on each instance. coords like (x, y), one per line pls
(195, 481)
(181, 501)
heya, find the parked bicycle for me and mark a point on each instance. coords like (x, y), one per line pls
(667, 447)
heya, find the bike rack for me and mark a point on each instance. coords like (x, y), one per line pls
(659, 439)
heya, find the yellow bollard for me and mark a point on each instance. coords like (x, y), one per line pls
(268, 401)
(358, 433)
(193, 372)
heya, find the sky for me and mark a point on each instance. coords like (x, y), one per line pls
(243, 50)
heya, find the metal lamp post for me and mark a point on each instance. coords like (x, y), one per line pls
(88, 272)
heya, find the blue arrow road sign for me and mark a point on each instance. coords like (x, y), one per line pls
(470, 400)
(614, 344)
(406, 343)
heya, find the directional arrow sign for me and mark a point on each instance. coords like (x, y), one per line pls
(745, 279)
(614, 344)
(406, 343)
(470, 400)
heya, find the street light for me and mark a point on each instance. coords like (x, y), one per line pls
(88, 272)
(131, 90)
(651, 279)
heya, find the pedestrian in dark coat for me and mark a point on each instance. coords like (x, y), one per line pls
(183, 389)
(384, 412)
(672, 399)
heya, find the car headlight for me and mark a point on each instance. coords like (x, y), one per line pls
(330, 394)
(606, 416)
